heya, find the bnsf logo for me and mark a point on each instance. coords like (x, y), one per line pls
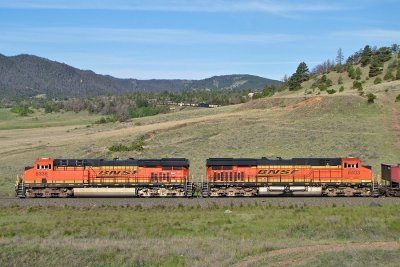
(117, 172)
(276, 172)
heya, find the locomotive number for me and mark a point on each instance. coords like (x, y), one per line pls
(41, 173)
(354, 172)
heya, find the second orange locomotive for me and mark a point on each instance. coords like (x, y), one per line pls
(297, 176)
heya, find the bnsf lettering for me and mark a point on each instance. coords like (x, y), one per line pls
(276, 172)
(117, 172)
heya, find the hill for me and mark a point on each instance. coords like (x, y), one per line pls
(27, 75)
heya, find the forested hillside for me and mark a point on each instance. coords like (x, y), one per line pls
(27, 76)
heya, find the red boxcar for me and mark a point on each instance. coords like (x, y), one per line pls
(390, 179)
(297, 176)
(98, 177)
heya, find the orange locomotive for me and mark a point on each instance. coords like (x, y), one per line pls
(297, 176)
(108, 178)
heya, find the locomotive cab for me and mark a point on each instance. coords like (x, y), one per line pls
(354, 170)
(351, 163)
(42, 169)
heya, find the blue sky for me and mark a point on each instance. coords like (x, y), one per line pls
(194, 39)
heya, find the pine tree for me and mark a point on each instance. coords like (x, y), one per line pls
(366, 56)
(375, 68)
(339, 57)
(302, 74)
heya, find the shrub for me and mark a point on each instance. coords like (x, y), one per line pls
(341, 89)
(102, 120)
(377, 80)
(142, 112)
(21, 109)
(397, 98)
(358, 73)
(351, 72)
(371, 98)
(340, 80)
(322, 87)
(357, 85)
(134, 146)
(331, 91)
(389, 76)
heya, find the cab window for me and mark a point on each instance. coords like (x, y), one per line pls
(350, 166)
(43, 167)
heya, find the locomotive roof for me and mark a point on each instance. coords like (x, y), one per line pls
(163, 162)
(279, 161)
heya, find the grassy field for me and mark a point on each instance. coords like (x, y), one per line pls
(39, 119)
(197, 236)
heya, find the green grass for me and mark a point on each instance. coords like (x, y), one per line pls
(9, 120)
(170, 236)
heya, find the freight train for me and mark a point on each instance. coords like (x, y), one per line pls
(225, 177)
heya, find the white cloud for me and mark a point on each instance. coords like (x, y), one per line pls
(149, 36)
(269, 6)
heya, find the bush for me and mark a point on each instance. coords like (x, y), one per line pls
(331, 91)
(322, 87)
(21, 109)
(388, 76)
(371, 98)
(397, 98)
(377, 80)
(351, 72)
(134, 146)
(102, 120)
(341, 89)
(358, 73)
(340, 80)
(142, 112)
(357, 85)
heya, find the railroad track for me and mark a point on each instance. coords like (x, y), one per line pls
(203, 202)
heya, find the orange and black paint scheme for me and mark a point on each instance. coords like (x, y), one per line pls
(98, 177)
(297, 176)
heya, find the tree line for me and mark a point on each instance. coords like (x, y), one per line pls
(133, 105)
